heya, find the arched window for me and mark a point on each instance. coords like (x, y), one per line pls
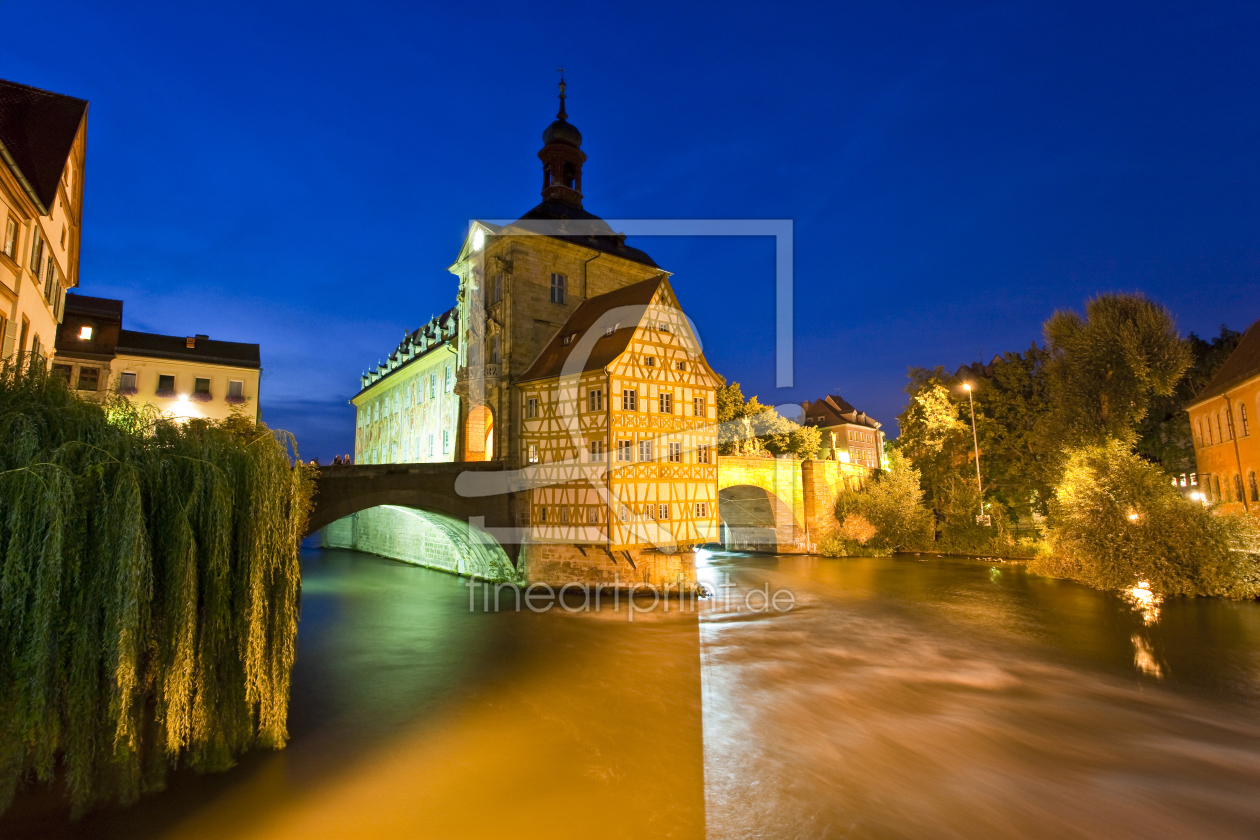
(1219, 436)
(1198, 433)
(1216, 489)
(1242, 418)
(1229, 423)
(1252, 486)
(1238, 488)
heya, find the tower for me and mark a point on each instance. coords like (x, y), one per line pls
(562, 158)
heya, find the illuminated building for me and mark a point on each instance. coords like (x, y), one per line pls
(182, 376)
(1223, 425)
(43, 139)
(848, 435)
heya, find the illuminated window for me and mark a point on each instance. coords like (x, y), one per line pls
(645, 450)
(10, 237)
(89, 378)
(533, 453)
(85, 333)
(629, 399)
(557, 288)
(531, 408)
(666, 403)
(625, 450)
(698, 408)
(675, 453)
(595, 400)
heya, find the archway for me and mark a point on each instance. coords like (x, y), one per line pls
(754, 519)
(422, 538)
(479, 435)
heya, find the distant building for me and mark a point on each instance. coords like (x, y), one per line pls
(848, 435)
(406, 411)
(184, 376)
(43, 138)
(1222, 421)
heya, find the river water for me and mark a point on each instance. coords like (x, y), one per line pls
(897, 697)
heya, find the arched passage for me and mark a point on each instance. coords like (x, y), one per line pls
(479, 434)
(423, 538)
(754, 519)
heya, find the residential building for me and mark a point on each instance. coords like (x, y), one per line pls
(43, 139)
(848, 435)
(1222, 422)
(181, 376)
(406, 411)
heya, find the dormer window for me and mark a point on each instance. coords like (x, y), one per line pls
(650, 361)
(663, 327)
(609, 330)
(680, 365)
(567, 340)
(85, 333)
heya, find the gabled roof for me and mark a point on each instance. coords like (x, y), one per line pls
(37, 131)
(1242, 364)
(93, 307)
(606, 348)
(589, 230)
(134, 343)
(836, 411)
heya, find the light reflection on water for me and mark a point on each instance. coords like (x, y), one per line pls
(899, 697)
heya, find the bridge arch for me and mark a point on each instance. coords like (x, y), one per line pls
(761, 504)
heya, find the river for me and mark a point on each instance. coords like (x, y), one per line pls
(897, 697)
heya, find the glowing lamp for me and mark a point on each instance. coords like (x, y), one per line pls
(966, 386)
(85, 333)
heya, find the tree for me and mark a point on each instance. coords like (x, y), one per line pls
(748, 427)
(888, 514)
(1105, 369)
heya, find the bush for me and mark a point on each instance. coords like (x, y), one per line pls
(1115, 521)
(148, 589)
(891, 504)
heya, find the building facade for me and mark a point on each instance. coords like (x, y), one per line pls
(407, 411)
(180, 376)
(848, 435)
(43, 141)
(1222, 422)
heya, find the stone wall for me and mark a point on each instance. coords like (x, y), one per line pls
(558, 564)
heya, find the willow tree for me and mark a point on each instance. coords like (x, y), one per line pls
(148, 589)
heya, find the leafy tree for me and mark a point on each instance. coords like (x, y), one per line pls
(886, 515)
(1105, 369)
(748, 427)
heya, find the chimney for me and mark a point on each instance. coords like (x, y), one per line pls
(190, 342)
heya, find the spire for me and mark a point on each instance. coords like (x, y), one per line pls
(562, 115)
(562, 157)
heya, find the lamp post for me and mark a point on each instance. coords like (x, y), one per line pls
(975, 438)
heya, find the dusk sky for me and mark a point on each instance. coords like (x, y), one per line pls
(300, 175)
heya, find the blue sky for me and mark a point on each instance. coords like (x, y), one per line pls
(301, 174)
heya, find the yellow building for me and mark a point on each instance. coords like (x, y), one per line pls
(1222, 421)
(619, 427)
(406, 411)
(182, 376)
(43, 138)
(848, 435)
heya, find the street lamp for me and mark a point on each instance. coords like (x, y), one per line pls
(975, 438)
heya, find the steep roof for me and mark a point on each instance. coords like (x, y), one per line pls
(96, 307)
(235, 353)
(1241, 365)
(589, 230)
(606, 348)
(836, 411)
(37, 131)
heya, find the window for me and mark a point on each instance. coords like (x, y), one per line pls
(1198, 433)
(623, 513)
(702, 510)
(702, 453)
(1238, 488)
(430, 445)
(85, 333)
(629, 400)
(533, 453)
(609, 330)
(433, 385)
(496, 289)
(645, 450)
(1242, 416)
(1229, 424)
(650, 361)
(201, 385)
(667, 403)
(592, 516)
(697, 407)
(494, 349)
(597, 451)
(542, 514)
(568, 339)
(663, 327)
(557, 288)
(446, 441)
(10, 237)
(63, 371)
(680, 365)
(37, 253)
(662, 511)
(675, 453)
(531, 408)
(564, 516)
(649, 511)
(166, 386)
(448, 378)
(236, 390)
(1218, 437)
(595, 400)
(89, 378)
(1253, 486)
(625, 450)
